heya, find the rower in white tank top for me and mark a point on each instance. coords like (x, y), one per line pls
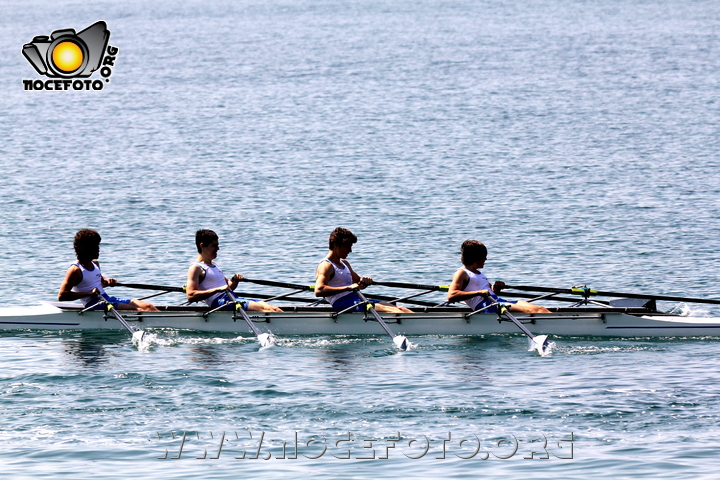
(341, 278)
(90, 279)
(477, 281)
(213, 278)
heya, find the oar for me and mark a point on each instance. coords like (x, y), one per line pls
(265, 339)
(400, 341)
(538, 342)
(311, 288)
(269, 283)
(445, 288)
(549, 296)
(137, 335)
(143, 286)
(584, 291)
(438, 288)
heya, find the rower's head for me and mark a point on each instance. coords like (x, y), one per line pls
(204, 238)
(473, 252)
(342, 238)
(87, 244)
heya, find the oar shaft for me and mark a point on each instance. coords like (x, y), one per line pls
(419, 303)
(143, 286)
(659, 297)
(265, 297)
(120, 319)
(243, 313)
(311, 288)
(583, 291)
(153, 295)
(375, 314)
(505, 311)
(538, 342)
(136, 335)
(416, 286)
(534, 297)
(247, 319)
(283, 296)
(529, 288)
(269, 283)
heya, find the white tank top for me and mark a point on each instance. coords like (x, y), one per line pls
(214, 278)
(90, 279)
(476, 281)
(341, 278)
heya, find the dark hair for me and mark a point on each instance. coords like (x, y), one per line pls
(84, 240)
(472, 251)
(205, 237)
(341, 236)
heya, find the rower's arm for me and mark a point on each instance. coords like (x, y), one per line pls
(456, 292)
(193, 292)
(73, 276)
(323, 274)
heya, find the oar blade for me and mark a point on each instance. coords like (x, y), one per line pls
(539, 343)
(266, 339)
(401, 342)
(138, 336)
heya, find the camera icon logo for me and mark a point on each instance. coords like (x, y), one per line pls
(67, 54)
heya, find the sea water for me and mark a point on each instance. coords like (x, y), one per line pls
(578, 140)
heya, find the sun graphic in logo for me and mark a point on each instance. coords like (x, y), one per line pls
(67, 56)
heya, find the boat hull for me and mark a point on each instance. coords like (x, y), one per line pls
(321, 321)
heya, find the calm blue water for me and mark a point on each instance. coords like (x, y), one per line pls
(578, 140)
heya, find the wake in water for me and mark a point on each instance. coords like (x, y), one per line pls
(171, 339)
(686, 310)
(603, 349)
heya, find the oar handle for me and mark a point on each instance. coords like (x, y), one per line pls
(439, 288)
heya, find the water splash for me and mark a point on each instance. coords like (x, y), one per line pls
(145, 342)
(549, 349)
(685, 310)
(411, 346)
(545, 351)
(266, 340)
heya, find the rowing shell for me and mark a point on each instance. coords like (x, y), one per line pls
(303, 320)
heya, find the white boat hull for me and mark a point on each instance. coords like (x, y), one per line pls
(321, 321)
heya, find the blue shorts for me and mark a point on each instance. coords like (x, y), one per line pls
(349, 300)
(114, 301)
(225, 300)
(490, 301)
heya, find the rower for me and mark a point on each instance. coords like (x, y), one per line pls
(205, 280)
(84, 280)
(470, 285)
(336, 280)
